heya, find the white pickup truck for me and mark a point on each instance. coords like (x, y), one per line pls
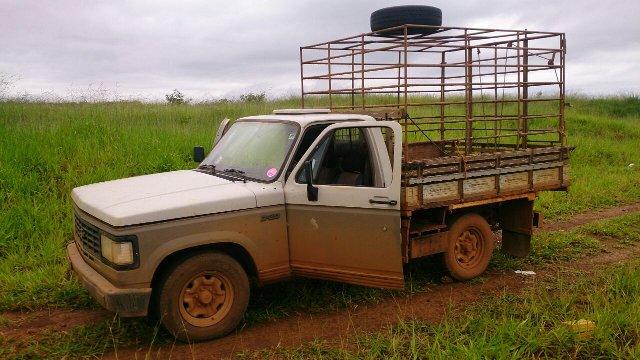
(305, 193)
(339, 194)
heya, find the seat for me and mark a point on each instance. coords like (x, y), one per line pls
(352, 167)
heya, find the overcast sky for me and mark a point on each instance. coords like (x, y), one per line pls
(212, 49)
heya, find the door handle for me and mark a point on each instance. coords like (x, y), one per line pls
(383, 202)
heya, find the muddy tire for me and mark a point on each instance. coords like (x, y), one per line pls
(203, 297)
(471, 244)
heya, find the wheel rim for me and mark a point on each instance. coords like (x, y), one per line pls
(468, 247)
(206, 299)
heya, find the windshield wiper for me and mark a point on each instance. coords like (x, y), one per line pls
(240, 173)
(234, 171)
(208, 168)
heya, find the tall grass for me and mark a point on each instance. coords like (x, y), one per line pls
(605, 164)
(47, 149)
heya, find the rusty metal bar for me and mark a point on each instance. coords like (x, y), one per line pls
(525, 91)
(495, 97)
(437, 103)
(519, 91)
(485, 119)
(478, 117)
(380, 89)
(386, 66)
(514, 134)
(406, 99)
(550, 52)
(561, 126)
(301, 79)
(318, 61)
(469, 97)
(362, 69)
(399, 70)
(329, 73)
(483, 85)
(320, 77)
(353, 80)
(442, 94)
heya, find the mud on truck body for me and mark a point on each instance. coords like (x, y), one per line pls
(412, 140)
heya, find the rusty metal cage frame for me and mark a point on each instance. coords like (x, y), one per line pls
(432, 75)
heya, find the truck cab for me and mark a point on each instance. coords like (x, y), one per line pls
(296, 193)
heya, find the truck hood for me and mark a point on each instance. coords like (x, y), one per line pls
(163, 196)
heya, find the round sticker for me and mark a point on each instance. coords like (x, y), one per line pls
(272, 172)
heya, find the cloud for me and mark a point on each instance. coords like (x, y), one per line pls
(222, 48)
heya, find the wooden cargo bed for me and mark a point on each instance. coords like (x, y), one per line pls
(438, 179)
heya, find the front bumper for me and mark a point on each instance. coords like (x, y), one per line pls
(125, 302)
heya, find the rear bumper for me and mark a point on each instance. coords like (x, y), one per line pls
(125, 302)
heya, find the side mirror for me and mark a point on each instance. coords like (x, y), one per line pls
(198, 154)
(312, 191)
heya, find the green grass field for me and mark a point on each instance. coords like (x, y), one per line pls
(47, 149)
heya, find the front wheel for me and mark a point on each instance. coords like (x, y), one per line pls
(203, 297)
(471, 244)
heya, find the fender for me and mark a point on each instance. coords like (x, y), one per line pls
(261, 232)
(194, 240)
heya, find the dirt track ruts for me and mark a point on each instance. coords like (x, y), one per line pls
(430, 305)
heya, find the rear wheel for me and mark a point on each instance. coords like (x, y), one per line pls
(203, 297)
(471, 244)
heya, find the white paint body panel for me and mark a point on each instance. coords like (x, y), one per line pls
(185, 193)
(267, 194)
(165, 196)
(307, 119)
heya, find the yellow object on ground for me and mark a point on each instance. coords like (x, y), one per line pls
(583, 328)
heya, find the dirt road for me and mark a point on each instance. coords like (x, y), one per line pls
(430, 305)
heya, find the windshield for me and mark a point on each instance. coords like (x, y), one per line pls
(254, 150)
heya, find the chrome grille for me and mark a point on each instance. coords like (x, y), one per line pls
(89, 236)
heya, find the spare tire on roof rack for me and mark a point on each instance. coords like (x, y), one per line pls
(407, 14)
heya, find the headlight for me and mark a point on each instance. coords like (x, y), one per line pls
(119, 253)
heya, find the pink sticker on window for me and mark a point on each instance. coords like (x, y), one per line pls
(272, 172)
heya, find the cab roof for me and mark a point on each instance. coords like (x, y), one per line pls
(305, 118)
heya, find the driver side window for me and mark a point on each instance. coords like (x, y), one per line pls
(342, 158)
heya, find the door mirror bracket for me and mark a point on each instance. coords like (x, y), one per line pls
(312, 191)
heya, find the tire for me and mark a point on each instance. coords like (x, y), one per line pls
(203, 297)
(409, 14)
(469, 248)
